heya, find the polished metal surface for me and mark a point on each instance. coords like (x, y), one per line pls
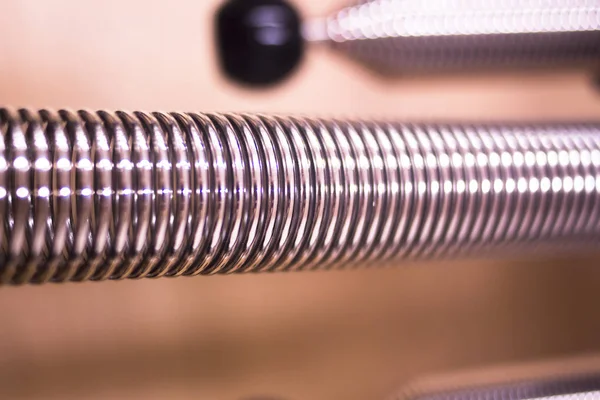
(563, 386)
(100, 195)
(418, 36)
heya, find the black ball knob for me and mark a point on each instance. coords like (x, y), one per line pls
(259, 41)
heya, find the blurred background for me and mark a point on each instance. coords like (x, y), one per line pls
(322, 335)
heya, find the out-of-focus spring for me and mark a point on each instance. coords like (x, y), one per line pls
(565, 387)
(100, 195)
(417, 36)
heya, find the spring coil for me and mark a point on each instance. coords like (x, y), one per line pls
(556, 386)
(417, 36)
(99, 195)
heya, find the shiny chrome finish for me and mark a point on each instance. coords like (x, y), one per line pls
(567, 379)
(99, 195)
(572, 388)
(441, 35)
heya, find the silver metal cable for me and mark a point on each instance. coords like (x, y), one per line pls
(100, 195)
(418, 36)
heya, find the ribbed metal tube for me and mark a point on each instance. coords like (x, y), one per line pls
(558, 387)
(100, 195)
(562, 379)
(418, 36)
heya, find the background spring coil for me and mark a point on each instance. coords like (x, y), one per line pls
(98, 195)
(552, 385)
(416, 35)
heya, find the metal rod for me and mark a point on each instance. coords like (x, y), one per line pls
(100, 195)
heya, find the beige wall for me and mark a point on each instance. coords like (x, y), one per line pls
(326, 335)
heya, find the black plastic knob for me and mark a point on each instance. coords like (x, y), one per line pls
(259, 41)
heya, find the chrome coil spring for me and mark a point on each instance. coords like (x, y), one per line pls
(416, 36)
(98, 195)
(556, 386)
(584, 387)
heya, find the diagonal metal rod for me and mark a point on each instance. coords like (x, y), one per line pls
(101, 195)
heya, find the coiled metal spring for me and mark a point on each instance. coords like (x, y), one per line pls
(417, 36)
(561, 385)
(98, 195)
